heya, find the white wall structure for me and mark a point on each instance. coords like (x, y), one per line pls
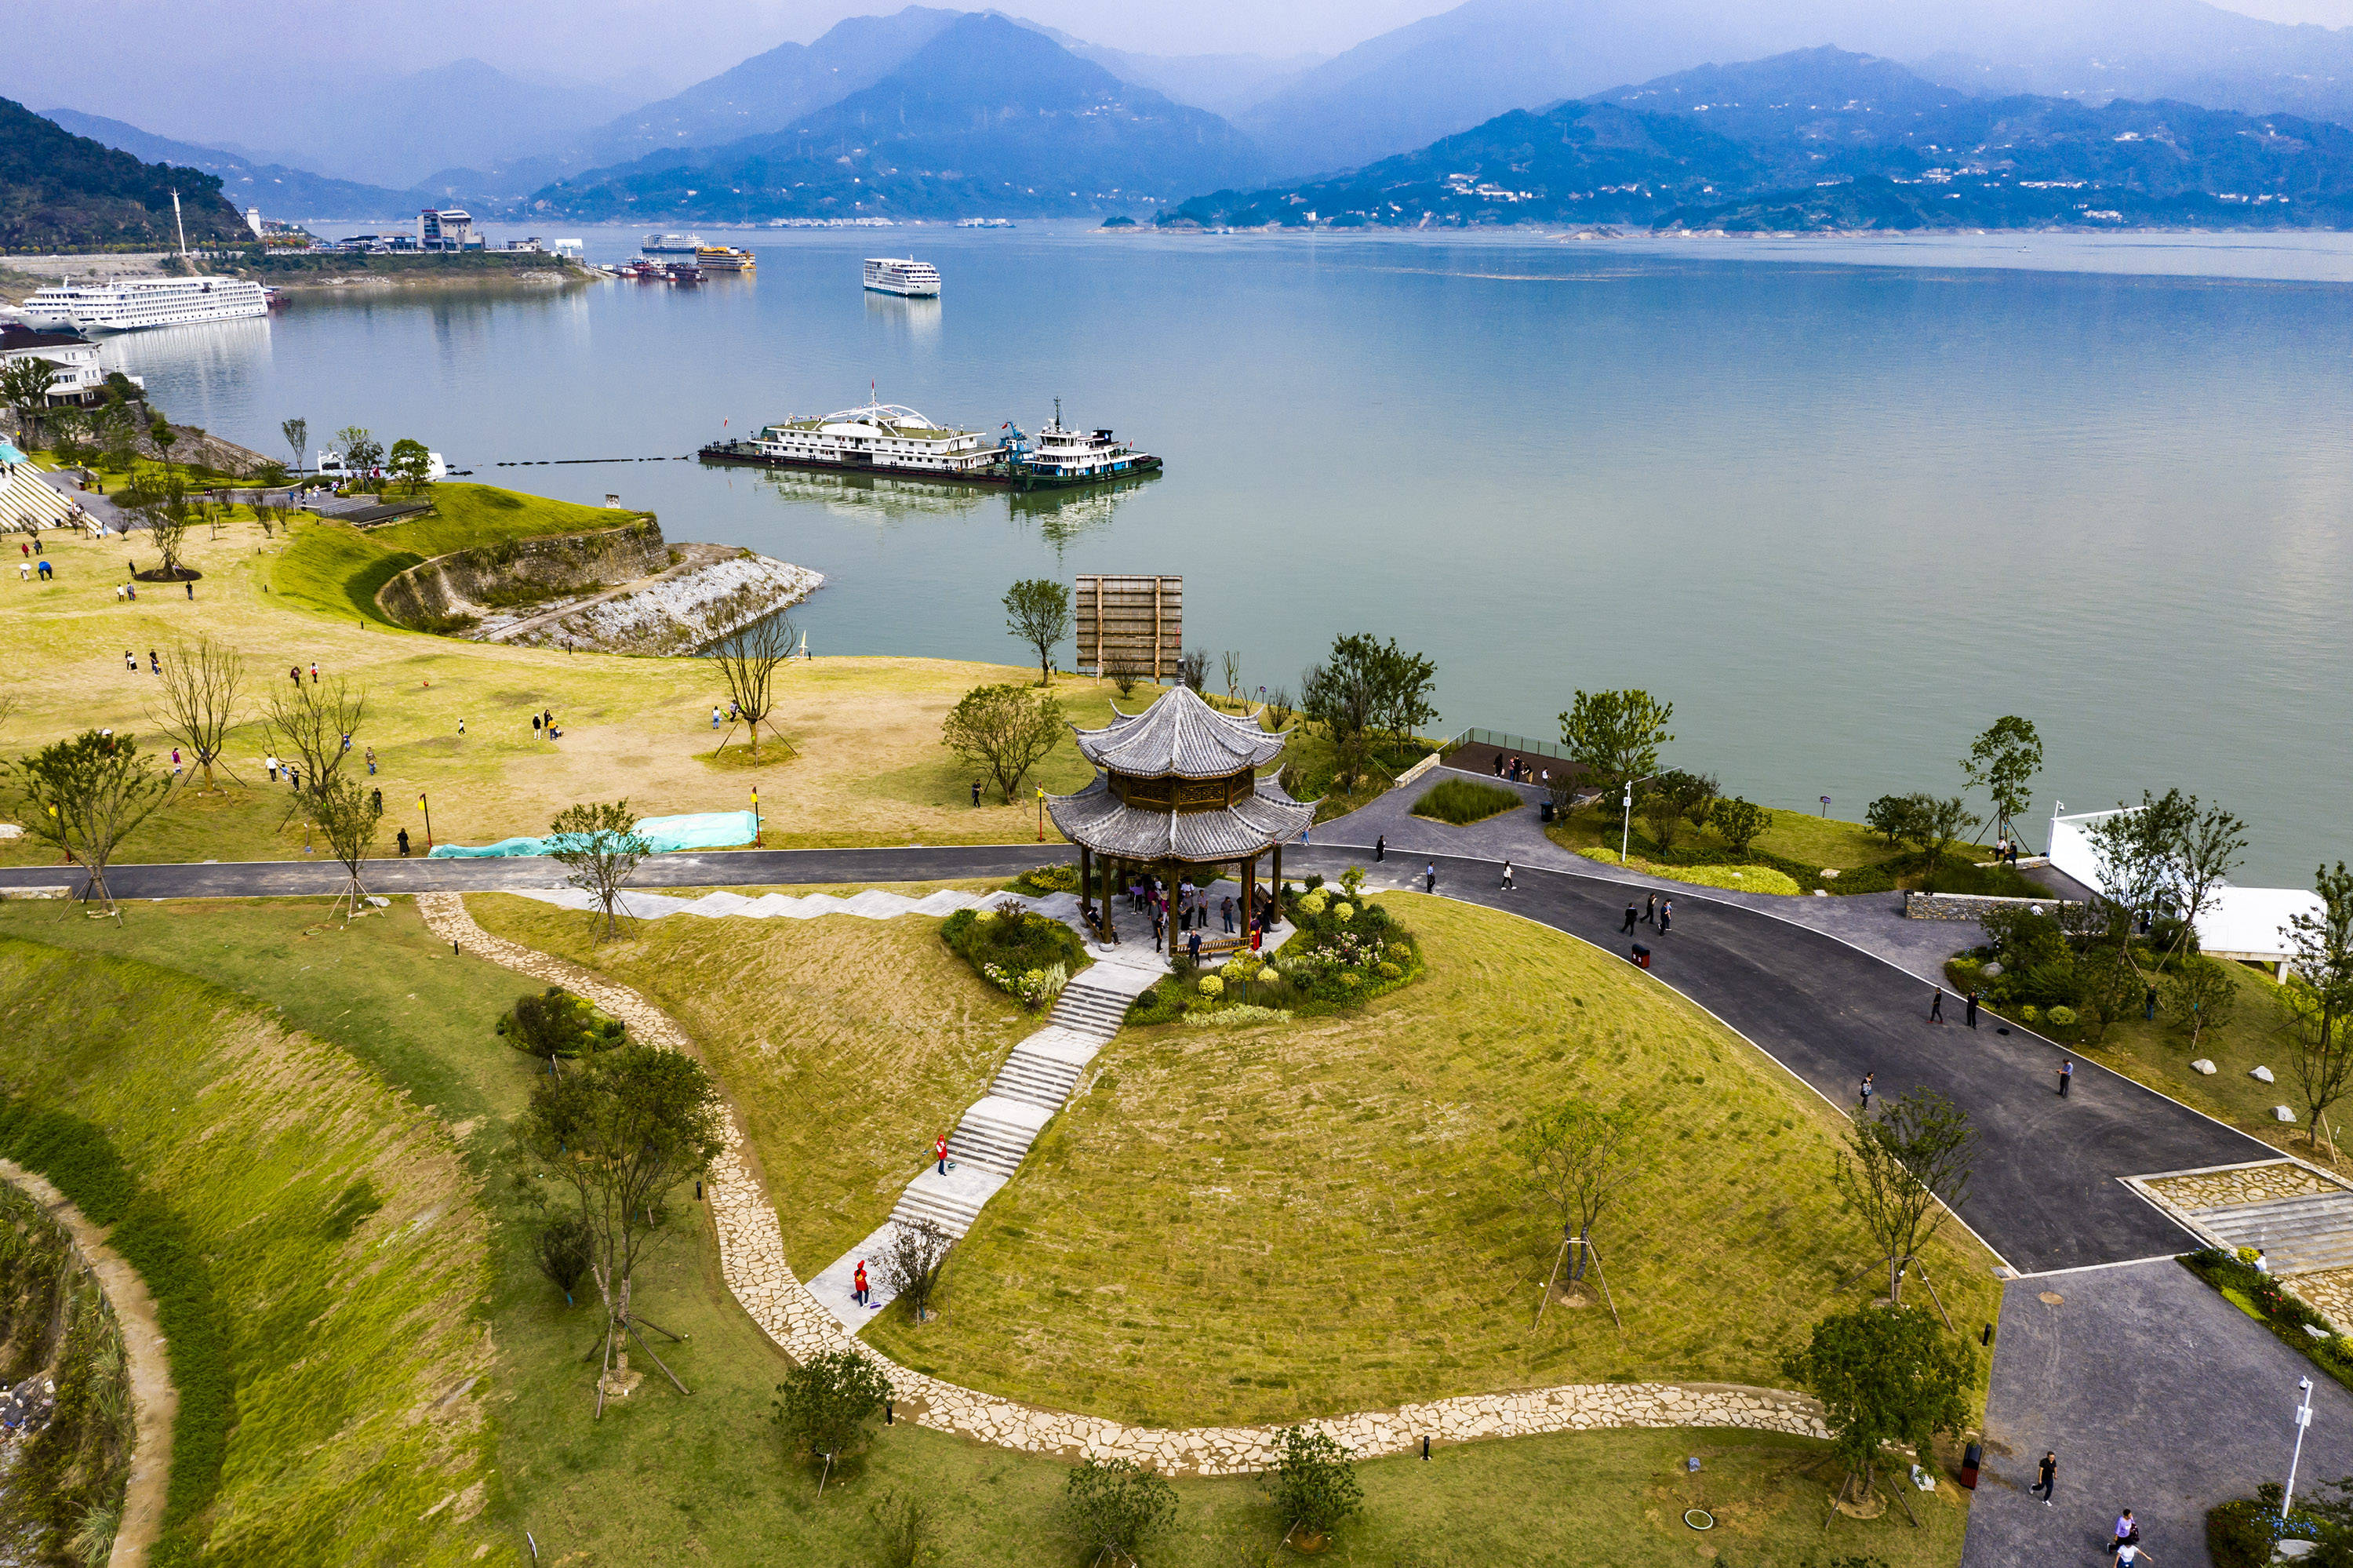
(2247, 924)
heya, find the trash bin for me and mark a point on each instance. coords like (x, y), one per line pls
(1971, 1457)
(1641, 956)
(1544, 812)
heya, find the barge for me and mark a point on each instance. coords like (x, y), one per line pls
(890, 439)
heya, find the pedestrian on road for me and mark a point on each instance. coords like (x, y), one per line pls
(2127, 1531)
(1380, 846)
(1630, 917)
(1937, 1006)
(402, 839)
(975, 793)
(1651, 909)
(1507, 877)
(858, 1284)
(940, 1152)
(1973, 1009)
(2049, 1474)
(1666, 915)
(2066, 1077)
(1866, 1091)
(1429, 877)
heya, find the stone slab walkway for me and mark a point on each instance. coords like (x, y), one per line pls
(751, 1260)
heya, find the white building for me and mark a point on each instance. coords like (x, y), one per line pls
(446, 229)
(253, 222)
(78, 377)
(2246, 925)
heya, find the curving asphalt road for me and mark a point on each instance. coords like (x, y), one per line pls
(2047, 1193)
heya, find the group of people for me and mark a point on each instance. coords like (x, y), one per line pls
(25, 568)
(1192, 910)
(1519, 771)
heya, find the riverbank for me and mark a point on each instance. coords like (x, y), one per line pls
(304, 271)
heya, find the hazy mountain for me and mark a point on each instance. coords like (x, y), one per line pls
(280, 192)
(1222, 84)
(68, 191)
(988, 117)
(1821, 138)
(1450, 71)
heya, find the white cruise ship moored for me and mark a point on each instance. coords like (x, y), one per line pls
(881, 437)
(671, 245)
(889, 275)
(132, 303)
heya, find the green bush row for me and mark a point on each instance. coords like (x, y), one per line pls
(82, 1162)
(2284, 1315)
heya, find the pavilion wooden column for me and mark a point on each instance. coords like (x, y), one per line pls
(1249, 894)
(1087, 888)
(1274, 893)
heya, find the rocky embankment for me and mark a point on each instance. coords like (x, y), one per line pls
(614, 591)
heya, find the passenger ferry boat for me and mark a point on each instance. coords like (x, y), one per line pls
(889, 438)
(671, 245)
(130, 303)
(724, 259)
(911, 278)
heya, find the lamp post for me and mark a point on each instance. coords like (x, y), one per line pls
(1826, 805)
(755, 816)
(428, 821)
(1626, 827)
(1041, 816)
(2302, 1420)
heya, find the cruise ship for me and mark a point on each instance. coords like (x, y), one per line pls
(724, 259)
(888, 438)
(128, 304)
(671, 245)
(916, 279)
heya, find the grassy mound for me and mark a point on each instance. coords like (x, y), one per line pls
(1254, 1224)
(1464, 801)
(1015, 950)
(336, 568)
(312, 1241)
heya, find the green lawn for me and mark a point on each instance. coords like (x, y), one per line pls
(666, 1478)
(337, 568)
(1258, 1224)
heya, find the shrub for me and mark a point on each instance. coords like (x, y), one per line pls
(557, 1024)
(1344, 912)
(1241, 1015)
(1313, 1485)
(1213, 986)
(823, 1407)
(1023, 954)
(1464, 801)
(1388, 970)
(1043, 880)
(2062, 1017)
(2030, 1013)
(1114, 1507)
(2239, 1534)
(1309, 904)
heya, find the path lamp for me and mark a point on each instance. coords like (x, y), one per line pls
(2302, 1420)
(1626, 827)
(1041, 816)
(428, 821)
(755, 816)
(1826, 805)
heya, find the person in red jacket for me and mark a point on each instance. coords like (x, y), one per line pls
(858, 1286)
(940, 1152)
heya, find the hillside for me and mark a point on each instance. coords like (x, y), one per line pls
(58, 190)
(280, 192)
(988, 117)
(1821, 139)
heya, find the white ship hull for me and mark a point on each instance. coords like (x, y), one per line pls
(909, 279)
(146, 302)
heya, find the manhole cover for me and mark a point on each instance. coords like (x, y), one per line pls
(1699, 1519)
(2052, 1299)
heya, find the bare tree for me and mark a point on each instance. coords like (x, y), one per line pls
(600, 847)
(348, 813)
(1232, 665)
(200, 691)
(1897, 1166)
(314, 723)
(1578, 1158)
(297, 439)
(748, 661)
(913, 1261)
(2208, 845)
(87, 794)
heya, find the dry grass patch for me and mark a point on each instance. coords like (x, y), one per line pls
(848, 1043)
(1296, 1220)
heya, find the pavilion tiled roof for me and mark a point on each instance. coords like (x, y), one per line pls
(1109, 825)
(1181, 735)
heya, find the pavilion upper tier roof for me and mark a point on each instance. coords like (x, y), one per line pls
(1181, 735)
(1103, 822)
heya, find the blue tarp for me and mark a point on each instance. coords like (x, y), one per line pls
(710, 830)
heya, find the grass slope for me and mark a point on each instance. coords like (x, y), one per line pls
(341, 1232)
(336, 568)
(1296, 1220)
(848, 1044)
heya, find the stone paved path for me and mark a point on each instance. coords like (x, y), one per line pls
(751, 1260)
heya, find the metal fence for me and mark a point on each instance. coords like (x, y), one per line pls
(1497, 739)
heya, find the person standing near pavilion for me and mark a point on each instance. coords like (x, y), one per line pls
(858, 1284)
(940, 1152)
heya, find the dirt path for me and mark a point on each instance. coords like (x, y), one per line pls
(154, 1402)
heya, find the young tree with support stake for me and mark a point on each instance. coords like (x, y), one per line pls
(346, 812)
(2318, 996)
(1037, 612)
(310, 723)
(86, 796)
(1885, 1376)
(200, 684)
(826, 1407)
(748, 661)
(1578, 1158)
(624, 1130)
(2003, 762)
(600, 847)
(1894, 1168)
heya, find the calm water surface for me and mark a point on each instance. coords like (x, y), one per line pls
(1844, 503)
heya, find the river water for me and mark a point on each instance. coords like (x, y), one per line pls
(1844, 502)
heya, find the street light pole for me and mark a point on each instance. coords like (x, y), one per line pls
(428, 821)
(755, 816)
(2302, 1420)
(1626, 827)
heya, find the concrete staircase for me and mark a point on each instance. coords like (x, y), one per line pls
(25, 501)
(995, 1135)
(2298, 1236)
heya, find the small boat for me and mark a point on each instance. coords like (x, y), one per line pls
(684, 273)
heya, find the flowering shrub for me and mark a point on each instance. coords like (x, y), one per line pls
(1309, 904)
(1036, 988)
(1239, 1016)
(1344, 912)
(1023, 955)
(1213, 986)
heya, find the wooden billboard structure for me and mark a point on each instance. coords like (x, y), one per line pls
(1132, 623)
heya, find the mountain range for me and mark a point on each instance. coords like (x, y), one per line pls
(987, 115)
(1822, 138)
(57, 189)
(277, 190)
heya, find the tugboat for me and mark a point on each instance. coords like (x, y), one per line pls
(1073, 457)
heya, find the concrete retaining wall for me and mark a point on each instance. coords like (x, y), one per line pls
(1968, 905)
(460, 583)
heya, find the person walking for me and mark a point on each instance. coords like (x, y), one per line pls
(130, 660)
(371, 761)
(401, 838)
(1651, 910)
(462, 726)
(2129, 1556)
(154, 664)
(1973, 1008)
(858, 1284)
(1666, 915)
(715, 715)
(175, 762)
(271, 763)
(1867, 1090)
(191, 586)
(2047, 1480)
(534, 726)
(2066, 1077)
(1937, 1006)
(940, 1152)
(293, 673)
(2127, 1531)
(314, 673)
(1429, 877)
(347, 741)
(1631, 918)
(1507, 877)
(375, 801)
(1193, 949)
(1380, 847)
(294, 778)
(975, 793)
